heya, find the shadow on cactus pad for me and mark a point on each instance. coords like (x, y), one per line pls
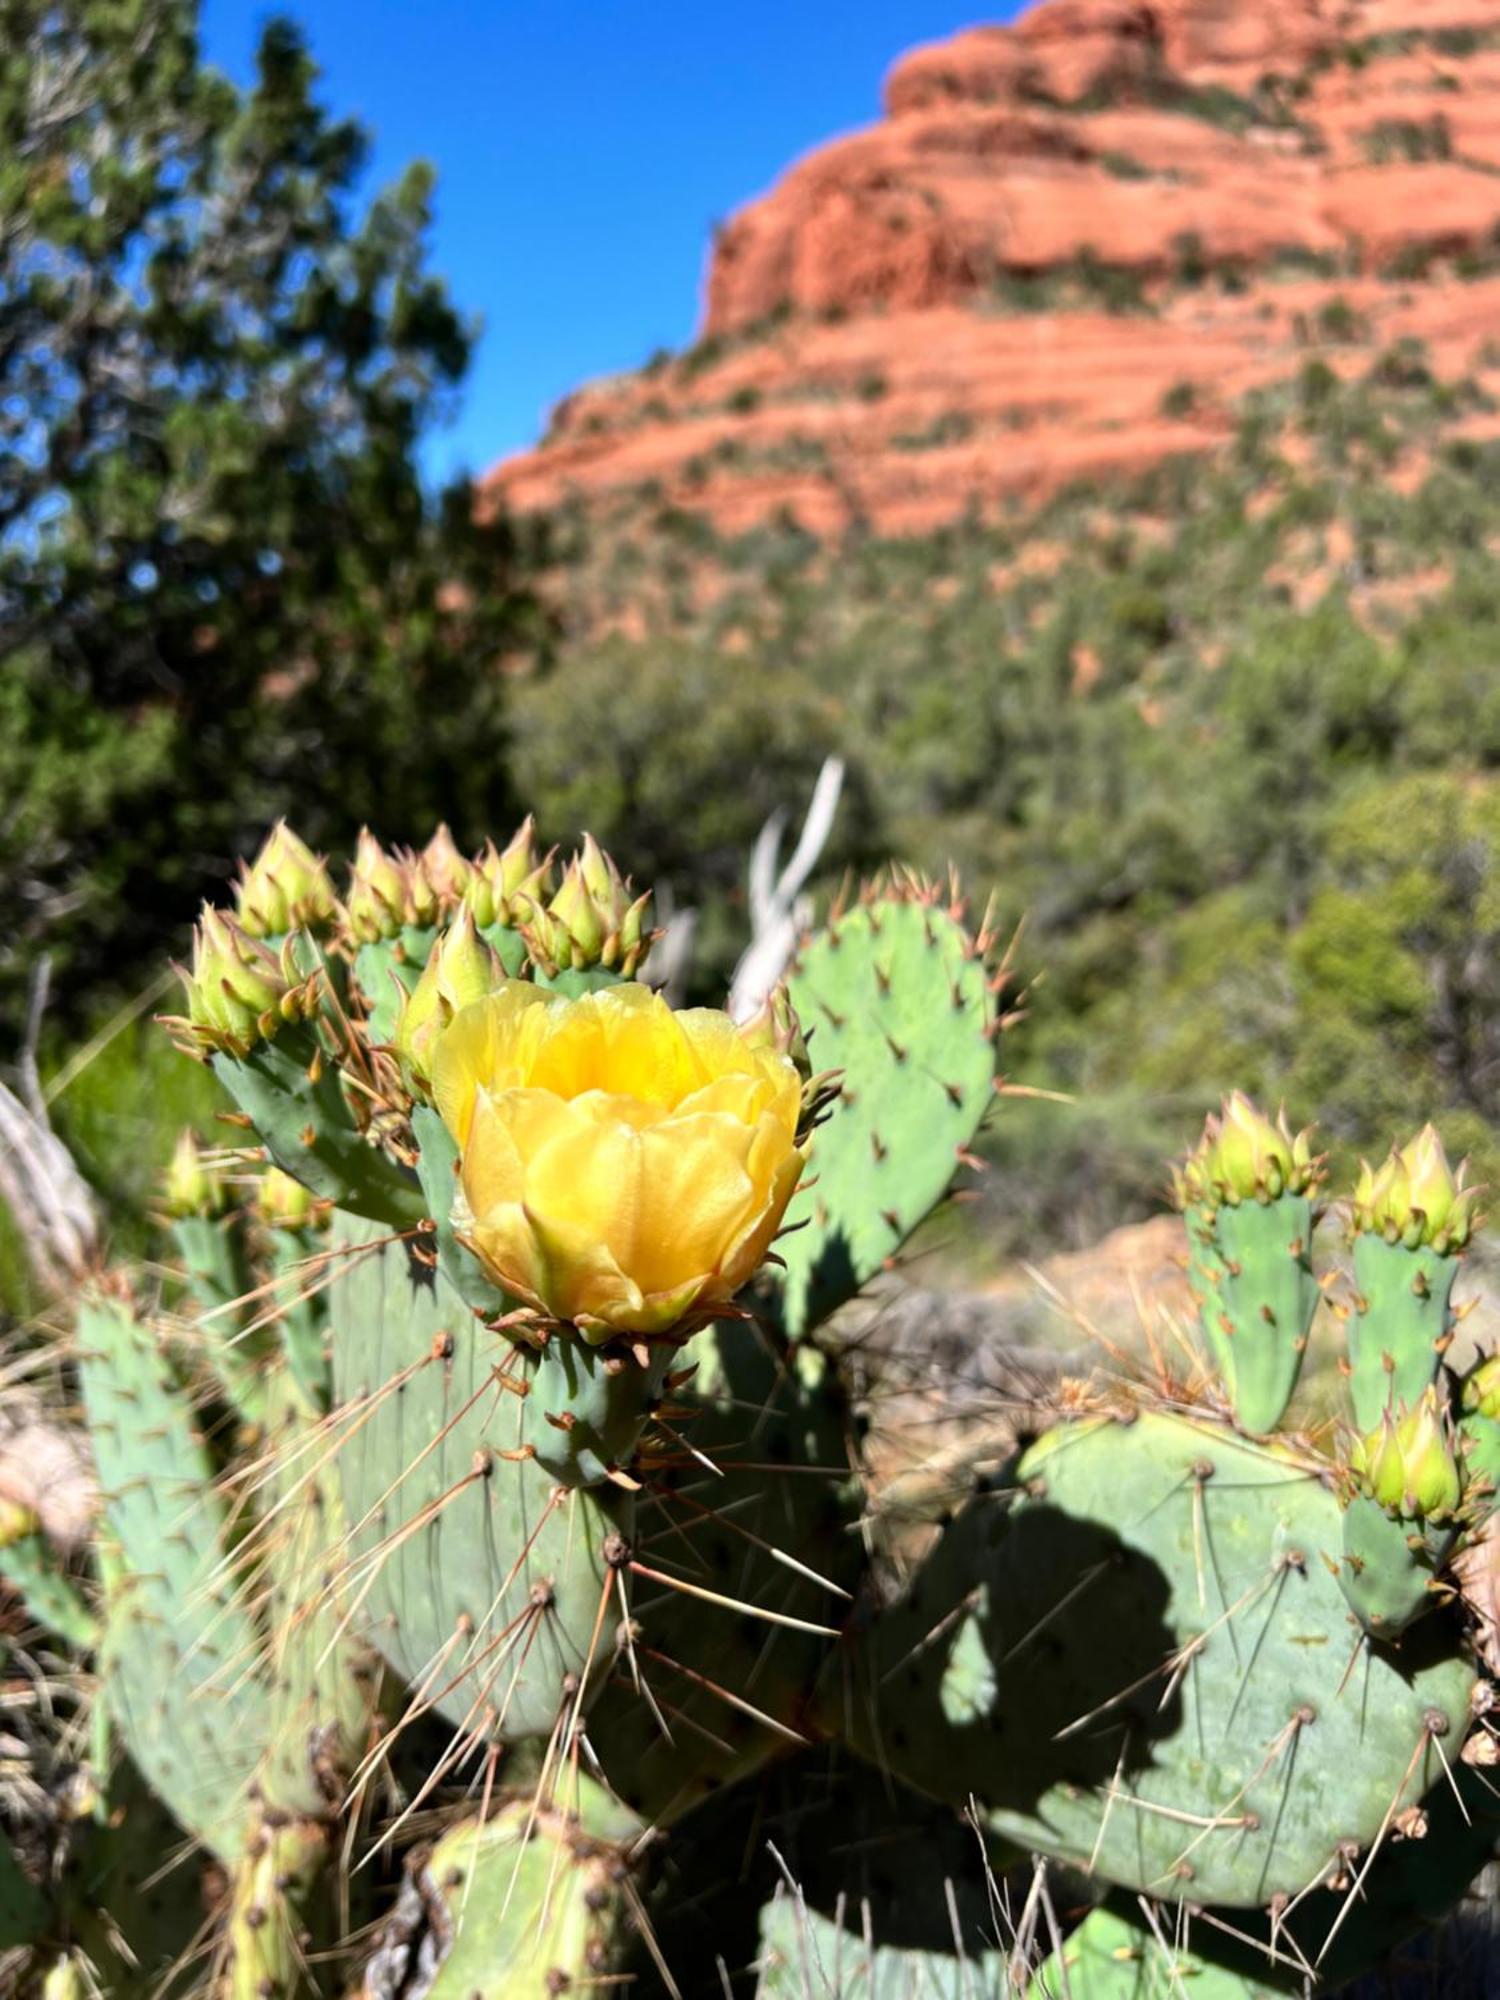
(1141, 1664)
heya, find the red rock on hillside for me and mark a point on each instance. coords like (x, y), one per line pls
(1066, 249)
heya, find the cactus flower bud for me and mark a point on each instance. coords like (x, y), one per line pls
(191, 1186)
(284, 1203)
(239, 992)
(508, 881)
(286, 888)
(775, 1026)
(1408, 1462)
(1481, 1391)
(511, 881)
(1414, 1197)
(461, 968)
(591, 920)
(377, 900)
(1244, 1156)
(448, 871)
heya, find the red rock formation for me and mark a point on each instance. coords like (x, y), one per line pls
(872, 345)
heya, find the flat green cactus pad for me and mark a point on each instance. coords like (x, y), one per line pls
(776, 1500)
(1110, 1958)
(485, 1585)
(1251, 1264)
(1143, 1666)
(179, 1650)
(1397, 1332)
(894, 993)
(1123, 1949)
(805, 1955)
(531, 1899)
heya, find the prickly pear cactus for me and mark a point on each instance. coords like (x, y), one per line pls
(896, 995)
(759, 1516)
(1236, 1741)
(525, 1905)
(529, 1533)
(178, 1648)
(489, 1587)
(1109, 1958)
(1410, 1222)
(1247, 1195)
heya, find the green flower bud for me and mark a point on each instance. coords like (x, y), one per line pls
(376, 901)
(448, 871)
(284, 1203)
(509, 881)
(591, 920)
(1243, 1156)
(286, 888)
(460, 968)
(776, 1026)
(1481, 1392)
(191, 1186)
(239, 992)
(1414, 1197)
(1408, 1462)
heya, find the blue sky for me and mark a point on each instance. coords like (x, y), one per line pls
(584, 151)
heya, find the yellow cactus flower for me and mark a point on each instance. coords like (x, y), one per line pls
(621, 1166)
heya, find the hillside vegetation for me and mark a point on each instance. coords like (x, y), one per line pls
(1226, 737)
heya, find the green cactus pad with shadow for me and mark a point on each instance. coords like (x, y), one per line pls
(179, 1651)
(1388, 1566)
(485, 1584)
(775, 1427)
(1395, 1901)
(1109, 1958)
(1143, 1665)
(894, 993)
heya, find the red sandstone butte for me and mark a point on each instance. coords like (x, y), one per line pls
(1064, 251)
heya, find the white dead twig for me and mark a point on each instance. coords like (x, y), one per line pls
(48, 1198)
(778, 912)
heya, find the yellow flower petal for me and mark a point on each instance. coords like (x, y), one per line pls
(697, 1197)
(490, 1042)
(622, 1163)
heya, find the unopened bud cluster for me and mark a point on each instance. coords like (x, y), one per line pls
(1409, 1462)
(1245, 1156)
(1415, 1198)
(591, 919)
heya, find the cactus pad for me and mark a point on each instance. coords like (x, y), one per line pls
(1234, 1739)
(292, 1093)
(1399, 1329)
(1110, 1958)
(1250, 1264)
(179, 1649)
(895, 994)
(775, 1426)
(482, 1582)
(529, 1904)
